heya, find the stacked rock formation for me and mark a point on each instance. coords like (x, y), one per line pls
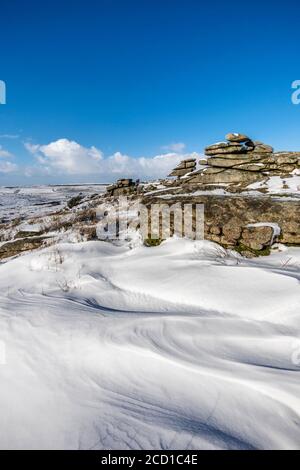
(240, 161)
(124, 186)
(184, 167)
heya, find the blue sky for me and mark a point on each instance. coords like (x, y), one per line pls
(126, 79)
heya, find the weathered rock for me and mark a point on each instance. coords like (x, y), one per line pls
(246, 157)
(262, 148)
(235, 137)
(89, 232)
(233, 214)
(186, 164)
(210, 170)
(229, 175)
(190, 164)
(287, 158)
(251, 167)
(240, 162)
(124, 182)
(231, 231)
(16, 247)
(215, 230)
(75, 201)
(184, 167)
(181, 166)
(122, 187)
(189, 160)
(225, 162)
(257, 237)
(26, 234)
(180, 172)
(223, 148)
(291, 233)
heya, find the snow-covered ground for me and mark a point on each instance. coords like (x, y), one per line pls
(25, 201)
(178, 346)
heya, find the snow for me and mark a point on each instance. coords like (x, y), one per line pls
(279, 185)
(180, 346)
(25, 201)
(275, 227)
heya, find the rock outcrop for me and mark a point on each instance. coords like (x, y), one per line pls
(184, 167)
(123, 187)
(240, 162)
(249, 225)
(21, 245)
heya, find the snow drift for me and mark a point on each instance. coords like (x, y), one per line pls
(181, 346)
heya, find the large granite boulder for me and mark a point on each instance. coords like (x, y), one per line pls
(257, 237)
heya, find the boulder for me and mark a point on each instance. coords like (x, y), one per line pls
(124, 182)
(235, 137)
(180, 172)
(231, 231)
(287, 158)
(257, 237)
(190, 164)
(230, 175)
(123, 187)
(184, 167)
(181, 166)
(224, 147)
(251, 167)
(262, 148)
(75, 201)
(224, 162)
(215, 230)
(189, 160)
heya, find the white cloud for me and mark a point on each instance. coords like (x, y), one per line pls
(65, 157)
(4, 153)
(154, 167)
(176, 147)
(8, 167)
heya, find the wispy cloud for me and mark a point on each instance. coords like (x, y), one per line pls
(9, 136)
(4, 153)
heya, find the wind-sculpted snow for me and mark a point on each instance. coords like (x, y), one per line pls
(178, 346)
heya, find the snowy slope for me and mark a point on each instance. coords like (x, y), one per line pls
(30, 201)
(178, 346)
